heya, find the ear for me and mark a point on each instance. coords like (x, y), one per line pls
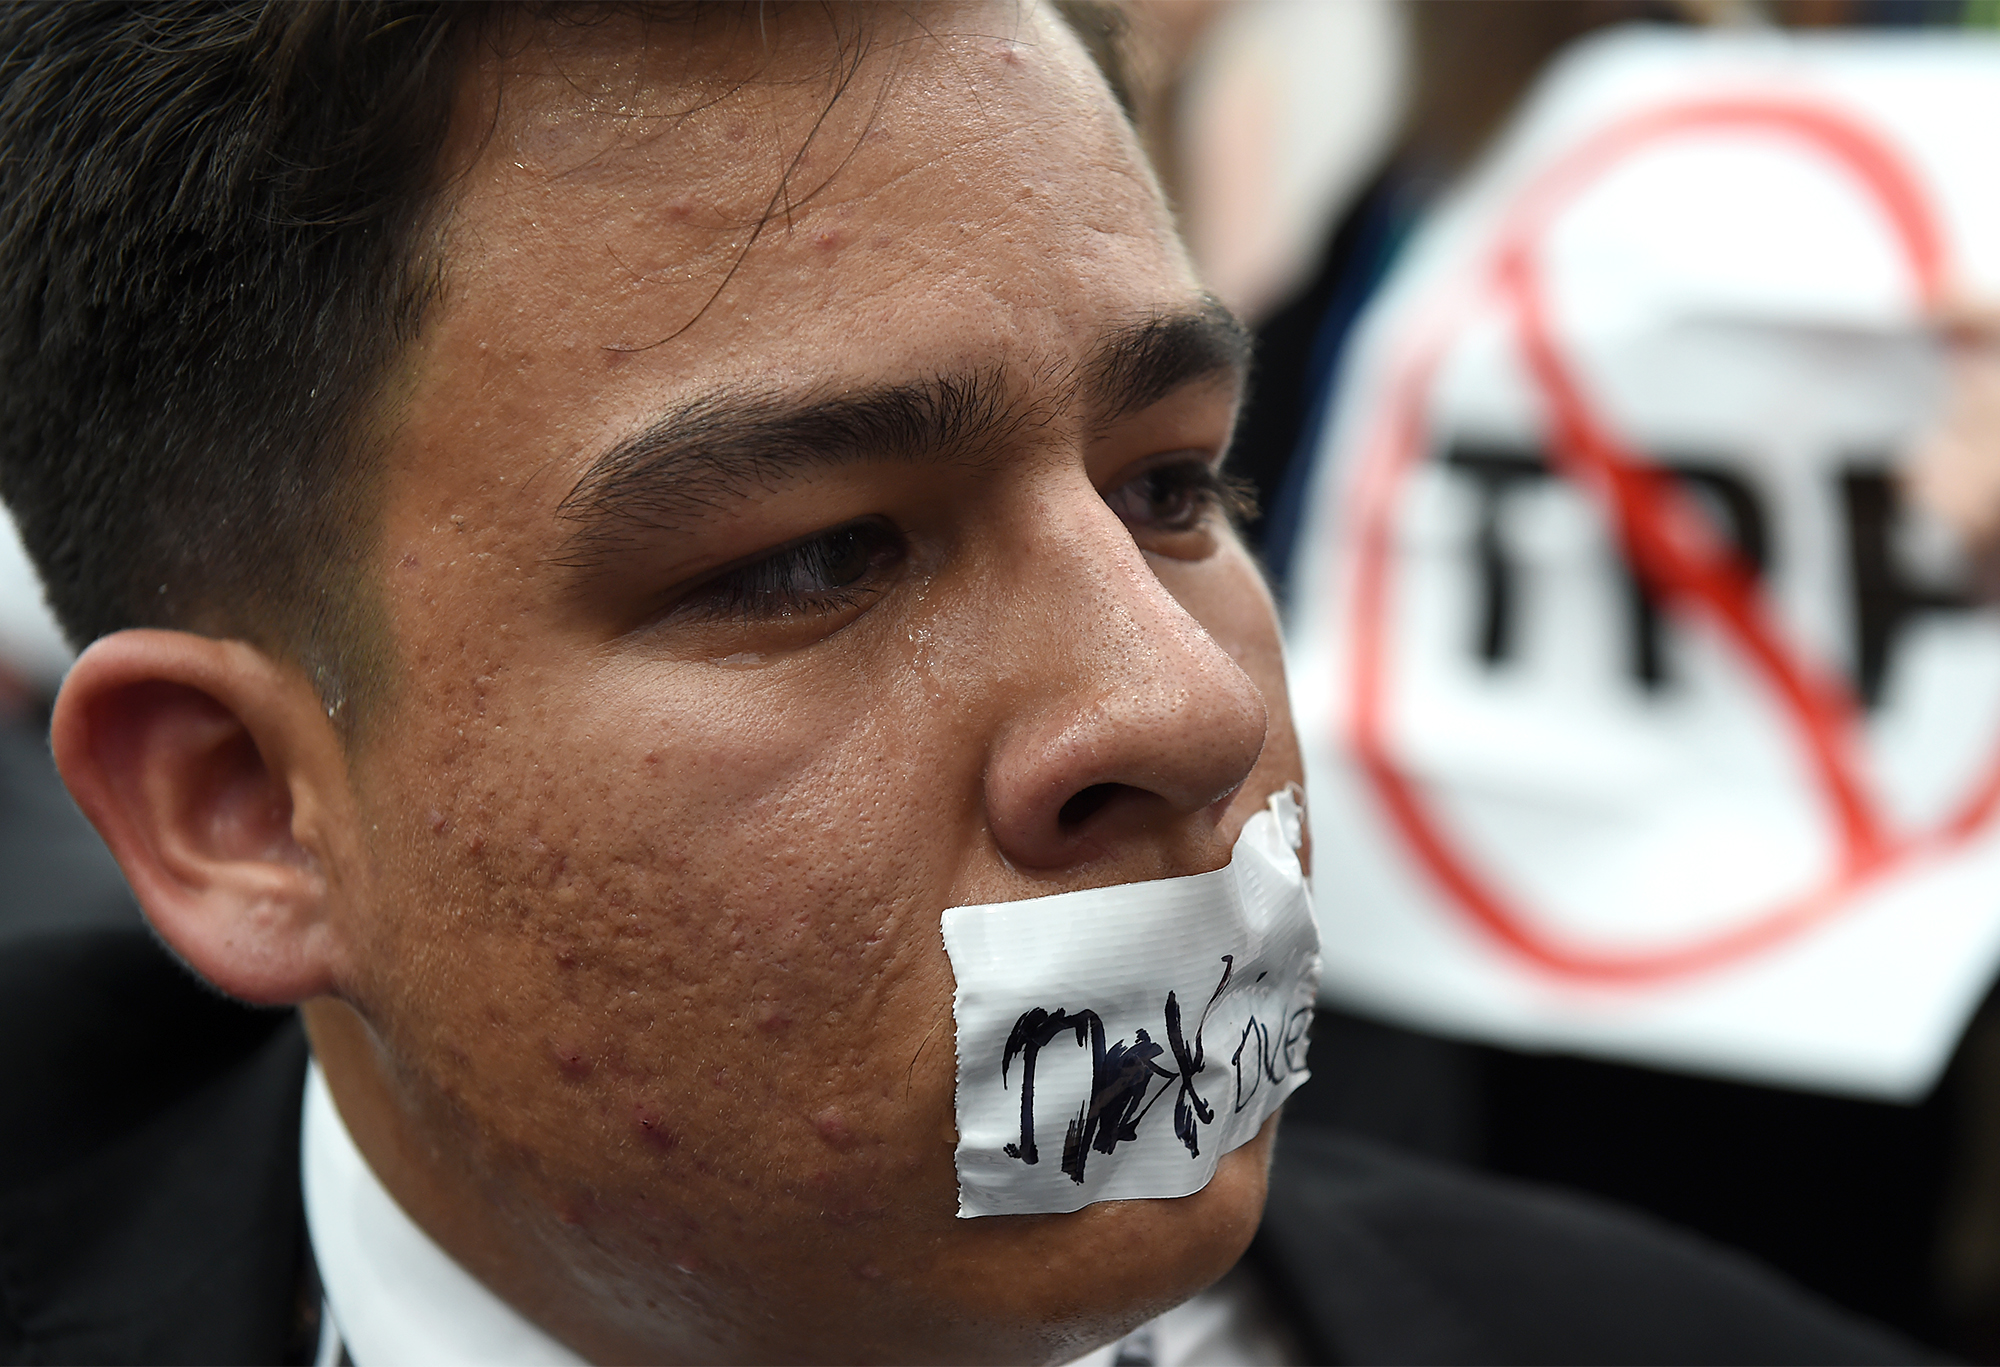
(212, 773)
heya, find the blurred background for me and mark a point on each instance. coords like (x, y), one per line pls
(1769, 345)
(54, 871)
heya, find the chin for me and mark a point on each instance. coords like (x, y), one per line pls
(1209, 1231)
(1110, 1267)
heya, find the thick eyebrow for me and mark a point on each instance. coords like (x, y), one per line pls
(711, 449)
(1140, 364)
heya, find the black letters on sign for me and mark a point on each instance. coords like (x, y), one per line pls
(1886, 597)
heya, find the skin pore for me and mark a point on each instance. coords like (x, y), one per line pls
(750, 608)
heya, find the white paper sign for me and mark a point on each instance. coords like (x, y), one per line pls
(1641, 718)
(1114, 1043)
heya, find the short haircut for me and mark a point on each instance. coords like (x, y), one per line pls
(210, 254)
(218, 230)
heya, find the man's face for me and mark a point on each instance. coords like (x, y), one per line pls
(755, 601)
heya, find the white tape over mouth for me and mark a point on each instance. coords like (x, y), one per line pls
(1114, 1043)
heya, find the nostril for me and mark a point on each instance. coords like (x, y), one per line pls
(1086, 804)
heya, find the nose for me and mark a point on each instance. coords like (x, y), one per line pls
(1131, 726)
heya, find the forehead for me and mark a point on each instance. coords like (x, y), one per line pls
(781, 196)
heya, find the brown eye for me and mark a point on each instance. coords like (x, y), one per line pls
(825, 573)
(1176, 498)
(845, 555)
(1155, 499)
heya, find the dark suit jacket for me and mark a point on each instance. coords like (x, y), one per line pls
(150, 1210)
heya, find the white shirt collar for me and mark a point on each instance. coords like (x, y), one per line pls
(396, 1298)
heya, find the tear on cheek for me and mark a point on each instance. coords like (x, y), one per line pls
(1115, 1043)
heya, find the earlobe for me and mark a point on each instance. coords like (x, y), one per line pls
(209, 768)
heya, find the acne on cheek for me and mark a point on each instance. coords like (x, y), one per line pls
(621, 941)
(573, 1062)
(666, 1104)
(832, 1127)
(653, 1124)
(858, 1175)
(654, 1131)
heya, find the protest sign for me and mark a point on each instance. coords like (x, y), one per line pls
(1642, 716)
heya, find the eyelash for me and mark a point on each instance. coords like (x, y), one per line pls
(803, 579)
(1197, 487)
(806, 578)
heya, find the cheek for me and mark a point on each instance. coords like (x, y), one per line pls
(686, 919)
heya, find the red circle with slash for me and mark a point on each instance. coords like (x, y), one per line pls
(1669, 541)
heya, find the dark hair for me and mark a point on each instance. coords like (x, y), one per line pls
(217, 237)
(211, 249)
